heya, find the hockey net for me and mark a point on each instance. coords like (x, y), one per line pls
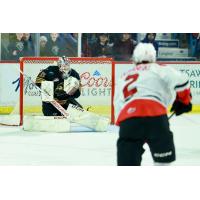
(96, 80)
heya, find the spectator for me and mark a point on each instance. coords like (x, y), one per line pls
(150, 38)
(5, 38)
(70, 45)
(86, 47)
(75, 37)
(54, 45)
(43, 43)
(70, 37)
(29, 49)
(4, 52)
(70, 50)
(197, 45)
(16, 48)
(113, 37)
(91, 37)
(123, 47)
(102, 48)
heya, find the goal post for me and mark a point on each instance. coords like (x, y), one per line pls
(96, 79)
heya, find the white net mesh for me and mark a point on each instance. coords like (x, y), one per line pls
(95, 76)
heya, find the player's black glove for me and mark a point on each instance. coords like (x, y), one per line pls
(180, 108)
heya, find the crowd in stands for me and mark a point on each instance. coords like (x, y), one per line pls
(119, 46)
(16, 45)
(19, 45)
(196, 38)
(55, 44)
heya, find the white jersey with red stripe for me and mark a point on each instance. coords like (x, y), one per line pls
(148, 89)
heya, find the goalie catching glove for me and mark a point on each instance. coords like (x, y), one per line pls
(69, 89)
(180, 108)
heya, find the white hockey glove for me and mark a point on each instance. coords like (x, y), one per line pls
(71, 85)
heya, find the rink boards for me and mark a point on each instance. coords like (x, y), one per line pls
(94, 94)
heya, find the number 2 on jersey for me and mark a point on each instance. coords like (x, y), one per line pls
(129, 93)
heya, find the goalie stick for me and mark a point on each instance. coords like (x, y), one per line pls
(73, 101)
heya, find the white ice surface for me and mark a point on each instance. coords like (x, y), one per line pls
(81, 147)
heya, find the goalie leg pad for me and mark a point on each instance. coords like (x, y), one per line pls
(102, 124)
(87, 119)
(46, 124)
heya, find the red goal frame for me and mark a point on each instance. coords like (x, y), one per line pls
(24, 60)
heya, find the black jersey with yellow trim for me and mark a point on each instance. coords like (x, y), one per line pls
(52, 73)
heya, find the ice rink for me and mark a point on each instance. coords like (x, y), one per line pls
(82, 147)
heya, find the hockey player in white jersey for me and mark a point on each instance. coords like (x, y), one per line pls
(141, 100)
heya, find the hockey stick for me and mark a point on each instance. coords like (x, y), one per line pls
(185, 117)
(171, 116)
(191, 120)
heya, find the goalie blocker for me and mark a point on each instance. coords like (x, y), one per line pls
(62, 124)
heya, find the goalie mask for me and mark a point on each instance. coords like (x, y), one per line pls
(144, 52)
(64, 66)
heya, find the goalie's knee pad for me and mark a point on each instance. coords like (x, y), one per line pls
(46, 124)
